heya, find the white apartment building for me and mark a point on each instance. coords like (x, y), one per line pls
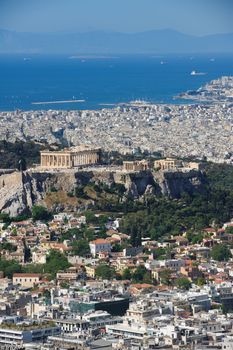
(20, 335)
(99, 245)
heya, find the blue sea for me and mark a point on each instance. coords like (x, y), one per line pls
(102, 81)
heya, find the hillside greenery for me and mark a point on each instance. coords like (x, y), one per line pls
(165, 216)
(20, 154)
(12, 153)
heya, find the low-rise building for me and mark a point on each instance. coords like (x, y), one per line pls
(70, 275)
(19, 334)
(39, 257)
(26, 280)
(90, 271)
(99, 245)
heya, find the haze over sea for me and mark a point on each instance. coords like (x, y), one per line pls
(102, 81)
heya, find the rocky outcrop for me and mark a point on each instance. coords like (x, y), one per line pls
(137, 184)
(173, 184)
(20, 190)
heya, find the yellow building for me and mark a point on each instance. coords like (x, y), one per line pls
(90, 271)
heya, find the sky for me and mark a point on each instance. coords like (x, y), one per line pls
(196, 17)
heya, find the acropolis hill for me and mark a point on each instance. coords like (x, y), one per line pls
(52, 186)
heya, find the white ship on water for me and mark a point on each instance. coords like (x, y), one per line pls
(194, 72)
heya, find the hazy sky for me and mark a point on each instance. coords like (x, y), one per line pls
(197, 17)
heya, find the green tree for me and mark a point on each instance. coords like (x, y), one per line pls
(8, 246)
(34, 268)
(91, 218)
(126, 275)
(46, 294)
(221, 252)
(102, 220)
(200, 281)
(89, 234)
(104, 271)
(79, 192)
(160, 253)
(183, 283)
(80, 247)
(55, 262)
(139, 274)
(5, 218)
(71, 234)
(40, 213)
(229, 230)
(197, 238)
(27, 253)
(165, 276)
(135, 238)
(117, 248)
(9, 267)
(224, 309)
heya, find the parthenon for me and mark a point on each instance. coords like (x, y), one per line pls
(70, 158)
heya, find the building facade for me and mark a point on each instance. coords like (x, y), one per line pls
(70, 158)
(99, 245)
(22, 335)
(26, 280)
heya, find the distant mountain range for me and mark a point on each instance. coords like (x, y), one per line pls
(99, 42)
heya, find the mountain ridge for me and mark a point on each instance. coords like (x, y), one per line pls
(104, 42)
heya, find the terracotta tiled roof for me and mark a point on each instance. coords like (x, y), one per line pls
(142, 286)
(25, 275)
(99, 241)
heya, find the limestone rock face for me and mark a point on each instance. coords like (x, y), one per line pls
(20, 190)
(173, 184)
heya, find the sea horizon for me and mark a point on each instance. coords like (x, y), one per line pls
(92, 82)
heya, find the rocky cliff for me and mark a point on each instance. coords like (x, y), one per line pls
(173, 184)
(20, 190)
